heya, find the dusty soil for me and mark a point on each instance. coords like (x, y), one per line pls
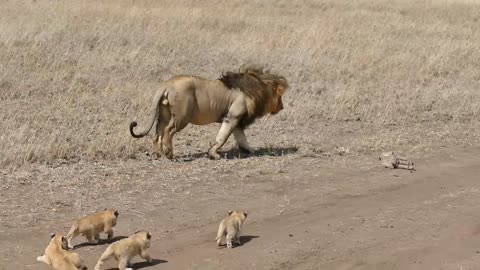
(304, 212)
(365, 76)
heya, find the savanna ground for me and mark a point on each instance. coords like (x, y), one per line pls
(365, 76)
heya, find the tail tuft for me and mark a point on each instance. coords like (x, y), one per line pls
(132, 126)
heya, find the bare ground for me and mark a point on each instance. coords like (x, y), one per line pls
(304, 212)
(366, 76)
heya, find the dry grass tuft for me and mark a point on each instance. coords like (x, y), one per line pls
(73, 74)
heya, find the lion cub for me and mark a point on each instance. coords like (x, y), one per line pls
(58, 257)
(124, 250)
(231, 228)
(92, 225)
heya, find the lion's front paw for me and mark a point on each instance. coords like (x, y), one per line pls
(93, 241)
(245, 149)
(156, 155)
(214, 156)
(168, 153)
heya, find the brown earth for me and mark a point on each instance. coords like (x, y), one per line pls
(366, 77)
(304, 213)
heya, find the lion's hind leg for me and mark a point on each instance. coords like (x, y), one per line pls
(162, 123)
(168, 132)
(72, 234)
(92, 238)
(173, 127)
(157, 146)
(74, 258)
(107, 254)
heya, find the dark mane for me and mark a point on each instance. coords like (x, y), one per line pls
(257, 84)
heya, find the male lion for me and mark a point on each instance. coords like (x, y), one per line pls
(235, 100)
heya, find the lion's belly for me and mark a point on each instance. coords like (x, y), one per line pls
(210, 109)
(205, 118)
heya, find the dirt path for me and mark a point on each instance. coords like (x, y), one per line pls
(305, 216)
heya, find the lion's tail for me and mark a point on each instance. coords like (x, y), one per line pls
(71, 234)
(156, 104)
(221, 230)
(72, 231)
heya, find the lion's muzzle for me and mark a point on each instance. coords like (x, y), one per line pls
(278, 108)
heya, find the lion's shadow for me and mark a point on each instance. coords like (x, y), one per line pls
(243, 240)
(100, 242)
(247, 238)
(238, 154)
(140, 265)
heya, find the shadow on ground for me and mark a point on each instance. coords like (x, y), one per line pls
(247, 238)
(238, 154)
(140, 265)
(101, 242)
(243, 240)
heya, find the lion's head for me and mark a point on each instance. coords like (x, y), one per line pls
(278, 89)
(263, 89)
(59, 240)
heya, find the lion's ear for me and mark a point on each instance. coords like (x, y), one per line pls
(280, 87)
(52, 235)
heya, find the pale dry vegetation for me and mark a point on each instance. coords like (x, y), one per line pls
(364, 75)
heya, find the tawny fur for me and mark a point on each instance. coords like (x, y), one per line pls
(58, 256)
(230, 228)
(393, 161)
(124, 250)
(235, 100)
(92, 225)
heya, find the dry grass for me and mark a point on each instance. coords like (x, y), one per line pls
(73, 74)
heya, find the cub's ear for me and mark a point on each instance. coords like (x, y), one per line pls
(245, 213)
(64, 243)
(116, 213)
(230, 212)
(137, 232)
(105, 209)
(149, 236)
(52, 235)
